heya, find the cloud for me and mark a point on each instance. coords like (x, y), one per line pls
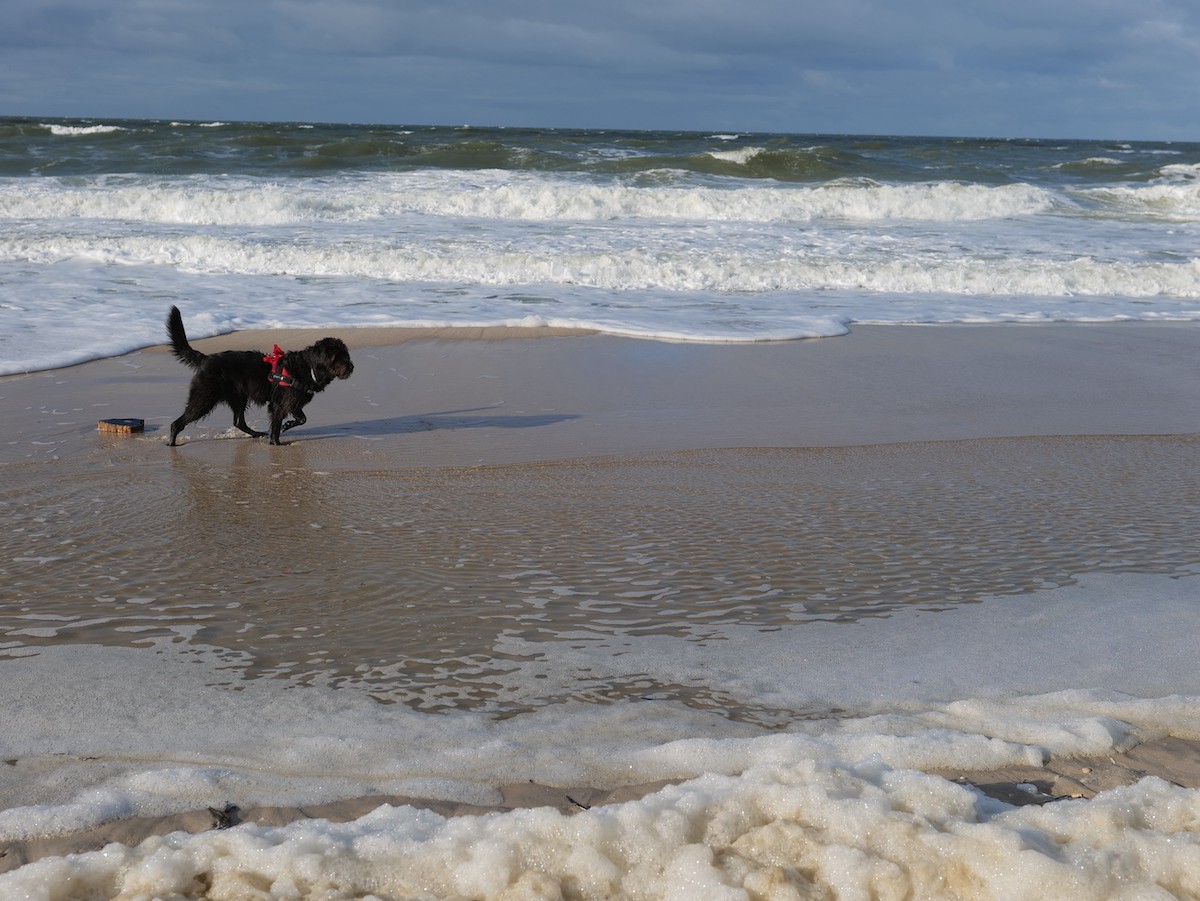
(929, 66)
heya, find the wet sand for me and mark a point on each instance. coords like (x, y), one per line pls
(421, 399)
(434, 404)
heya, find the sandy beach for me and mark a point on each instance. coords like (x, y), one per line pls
(436, 404)
(438, 398)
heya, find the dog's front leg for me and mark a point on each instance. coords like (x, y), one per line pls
(277, 414)
(298, 418)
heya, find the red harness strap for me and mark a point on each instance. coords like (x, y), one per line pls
(279, 374)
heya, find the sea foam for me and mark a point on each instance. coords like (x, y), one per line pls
(782, 831)
(250, 202)
(78, 130)
(977, 686)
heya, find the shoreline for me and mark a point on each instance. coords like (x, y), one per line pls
(368, 336)
(443, 399)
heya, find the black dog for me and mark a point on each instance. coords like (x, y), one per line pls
(285, 382)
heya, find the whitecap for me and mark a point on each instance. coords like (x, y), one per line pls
(74, 130)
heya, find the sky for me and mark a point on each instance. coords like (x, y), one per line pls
(1109, 69)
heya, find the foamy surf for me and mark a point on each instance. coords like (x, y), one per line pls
(682, 237)
(76, 130)
(779, 832)
(840, 808)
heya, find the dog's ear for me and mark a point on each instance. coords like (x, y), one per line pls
(331, 348)
(333, 356)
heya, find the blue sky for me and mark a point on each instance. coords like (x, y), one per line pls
(1122, 69)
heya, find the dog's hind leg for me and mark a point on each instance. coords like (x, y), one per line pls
(239, 420)
(177, 427)
(199, 405)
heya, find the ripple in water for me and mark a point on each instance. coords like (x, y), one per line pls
(417, 585)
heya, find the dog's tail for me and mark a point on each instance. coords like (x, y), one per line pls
(179, 342)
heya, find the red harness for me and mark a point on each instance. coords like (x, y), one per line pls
(279, 375)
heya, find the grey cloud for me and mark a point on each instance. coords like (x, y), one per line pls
(931, 66)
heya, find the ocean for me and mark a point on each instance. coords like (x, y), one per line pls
(792, 639)
(702, 237)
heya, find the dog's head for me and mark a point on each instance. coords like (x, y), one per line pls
(332, 355)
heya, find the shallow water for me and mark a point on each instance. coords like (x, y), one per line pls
(435, 588)
(799, 629)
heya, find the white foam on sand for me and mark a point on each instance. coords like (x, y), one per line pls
(862, 831)
(835, 802)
